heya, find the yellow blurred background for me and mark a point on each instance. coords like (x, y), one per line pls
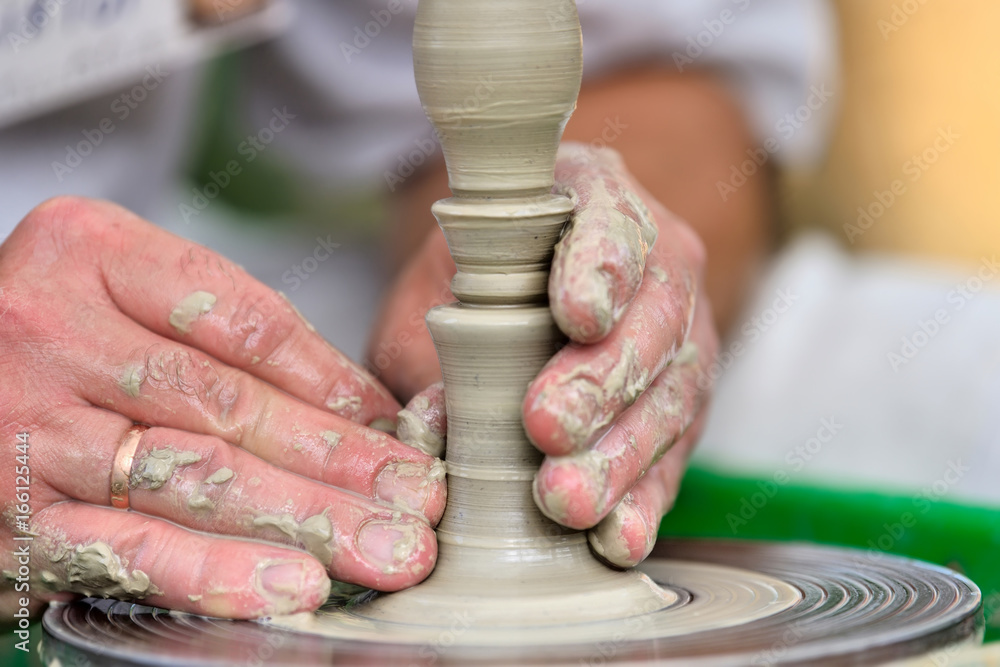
(917, 143)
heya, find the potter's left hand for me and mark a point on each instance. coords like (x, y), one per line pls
(618, 410)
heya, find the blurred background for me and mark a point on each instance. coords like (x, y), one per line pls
(910, 69)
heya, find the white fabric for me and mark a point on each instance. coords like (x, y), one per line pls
(818, 396)
(133, 165)
(362, 117)
(358, 115)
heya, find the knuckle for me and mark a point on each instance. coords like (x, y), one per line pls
(200, 262)
(57, 212)
(68, 220)
(260, 326)
(168, 368)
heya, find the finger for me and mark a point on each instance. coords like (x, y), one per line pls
(162, 383)
(580, 489)
(423, 423)
(598, 264)
(205, 484)
(626, 536)
(102, 552)
(188, 293)
(584, 388)
(401, 353)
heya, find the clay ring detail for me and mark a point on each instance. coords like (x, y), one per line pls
(121, 469)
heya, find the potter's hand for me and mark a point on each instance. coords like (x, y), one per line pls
(641, 332)
(618, 410)
(257, 430)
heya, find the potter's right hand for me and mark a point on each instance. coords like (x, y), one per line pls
(619, 409)
(258, 430)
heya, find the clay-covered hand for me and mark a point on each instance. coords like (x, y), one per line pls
(258, 429)
(616, 411)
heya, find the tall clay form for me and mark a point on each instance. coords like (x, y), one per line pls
(499, 81)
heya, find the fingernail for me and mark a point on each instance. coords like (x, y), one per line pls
(609, 543)
(407, 485)
(291, 586)
(387, 545)
(283, 579)
(623, 538)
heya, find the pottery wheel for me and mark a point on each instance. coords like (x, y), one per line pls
(736, 603)
(512, 582)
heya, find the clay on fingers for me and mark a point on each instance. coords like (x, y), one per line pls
(578, 490)
(599, 263)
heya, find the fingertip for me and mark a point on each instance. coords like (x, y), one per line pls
(423, 423)
(416, 486)
(420, 490)
(542, 425)
(583, 304)
(256, 582)
(572, 490)
(316, 587)
(624, 538)
(437, 496)
(289, 586)
(558, 416)
(395, 553)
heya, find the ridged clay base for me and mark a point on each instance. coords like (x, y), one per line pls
(853, 607)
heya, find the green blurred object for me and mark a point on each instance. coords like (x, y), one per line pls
(964, 538)
(266, 189)
(12, 657)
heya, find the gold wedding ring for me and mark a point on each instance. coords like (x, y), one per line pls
(121, 469)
